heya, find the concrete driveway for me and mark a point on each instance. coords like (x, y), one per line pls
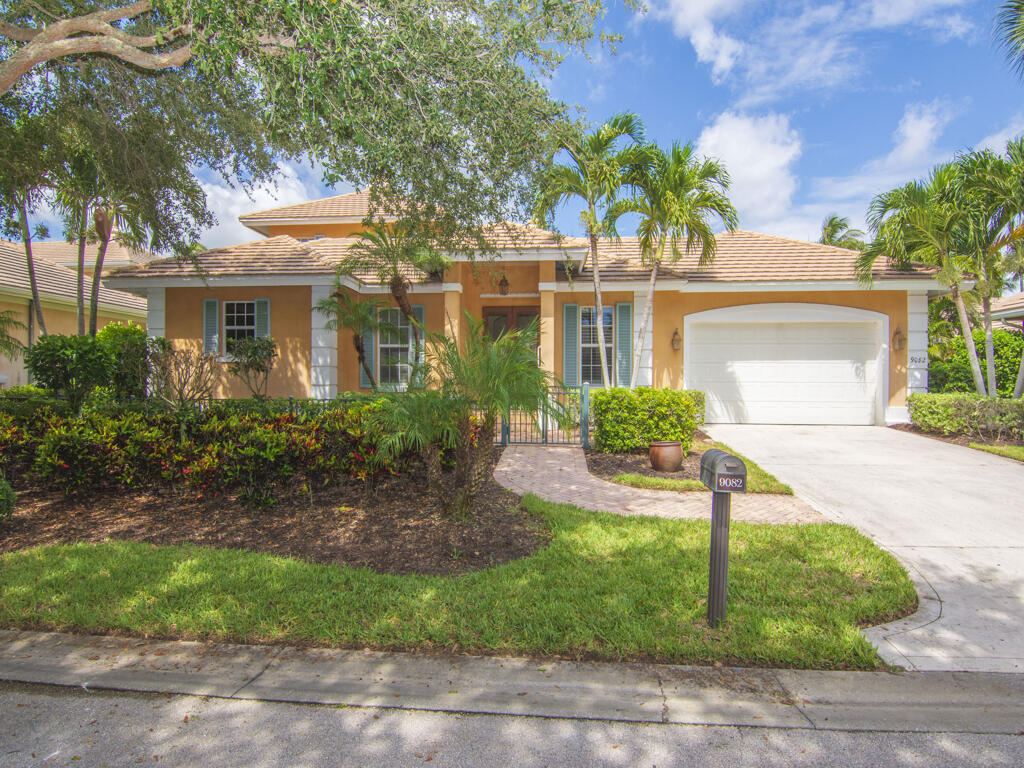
(954, 516)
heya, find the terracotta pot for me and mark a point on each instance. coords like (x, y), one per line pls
(667, 455)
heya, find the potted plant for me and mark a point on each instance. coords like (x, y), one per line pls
(666, 455)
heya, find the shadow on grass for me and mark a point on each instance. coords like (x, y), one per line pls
(607, 587)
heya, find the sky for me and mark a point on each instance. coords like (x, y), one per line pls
(813, 108)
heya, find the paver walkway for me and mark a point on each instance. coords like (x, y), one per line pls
(559, 474)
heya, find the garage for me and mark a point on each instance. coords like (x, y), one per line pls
(788, 364)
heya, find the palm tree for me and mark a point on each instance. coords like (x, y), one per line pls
(9, 346)
(836, 230)
(1009, 33)
(343, 310)
(678, 194)
(595, 173)
(394, 252)
(919, 223)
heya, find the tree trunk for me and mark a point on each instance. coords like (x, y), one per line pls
(80, 286)
(648, 310)
(990, 351)
(357, 342)
(473, 464)
(104, 230)
(26, 237)
(1018, 389)
(598, 308)
(401, 295)
(965, 327)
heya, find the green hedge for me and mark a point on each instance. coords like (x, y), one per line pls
(630, 420)
(987, 418)
(953, 374)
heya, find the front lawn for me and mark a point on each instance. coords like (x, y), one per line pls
(634, 469)
(607, 587)
(1009, 451)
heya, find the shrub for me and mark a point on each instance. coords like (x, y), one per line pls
(129, 359)
(252, 359)
(987, 418)
(180, 376)
(630, 420)
(953, 372)
(72, 457)
(71, 366)
(22, 402)
(7, 499)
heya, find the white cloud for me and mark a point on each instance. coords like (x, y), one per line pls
(997, 141)
(695, 20)
(295, 183)
(759, 152)
(932, 14)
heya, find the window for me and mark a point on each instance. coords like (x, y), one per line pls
(239, 322)
(393, 348)
(590, 355)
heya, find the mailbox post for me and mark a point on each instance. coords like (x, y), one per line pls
(724, 474)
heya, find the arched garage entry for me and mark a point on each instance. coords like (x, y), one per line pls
(788, 363)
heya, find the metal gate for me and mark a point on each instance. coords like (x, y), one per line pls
(573, 403)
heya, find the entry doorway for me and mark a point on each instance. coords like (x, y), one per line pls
(500, 319)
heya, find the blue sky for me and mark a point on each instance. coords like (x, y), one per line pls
(813, 108)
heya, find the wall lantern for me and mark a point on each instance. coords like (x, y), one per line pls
(677, 340)
(899, 339)
(503, 286)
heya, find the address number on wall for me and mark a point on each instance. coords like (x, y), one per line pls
(918, 360)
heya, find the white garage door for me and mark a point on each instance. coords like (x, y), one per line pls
(781, 372)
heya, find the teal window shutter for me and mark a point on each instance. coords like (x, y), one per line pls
(262, 318)
(211, 326)
(370, 347)
(624, 343)
(571, 345)
(420, 315)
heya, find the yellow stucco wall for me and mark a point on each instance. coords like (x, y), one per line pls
(59, 319)
(290, 326)
(671, 307)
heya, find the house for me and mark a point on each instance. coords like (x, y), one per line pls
(1008, 312)
(774, 331)
(57, 294)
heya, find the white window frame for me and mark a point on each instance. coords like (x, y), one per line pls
(401, 322)
(609, 346)
(224, 322)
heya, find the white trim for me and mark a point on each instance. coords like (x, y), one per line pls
(59, 302)
(645, 373)
(917, 343)
(323, 350)
(784, 312)
(144, 283)
(610, 286)
(897, 415)
(156, 316)
(916, 284)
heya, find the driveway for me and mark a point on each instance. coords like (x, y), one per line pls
(954, 516)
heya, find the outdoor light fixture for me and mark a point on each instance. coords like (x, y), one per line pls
(677, 340)
(503, 286)
(899, 339)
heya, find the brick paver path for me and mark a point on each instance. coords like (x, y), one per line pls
(560, 474)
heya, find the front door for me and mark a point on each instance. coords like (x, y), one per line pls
(501, 319)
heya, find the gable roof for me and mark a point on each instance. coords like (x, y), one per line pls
(55, 281)
(1009, 307)
(744, 256)
(65, 254)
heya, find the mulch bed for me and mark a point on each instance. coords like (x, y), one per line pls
(963, 440)
(396, 528)
(608, 465)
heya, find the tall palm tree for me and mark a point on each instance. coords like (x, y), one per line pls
(836, 230)
(677, 195)
(919, 223)
(595, 173)
(10, 347)
(343, 310)
(395, 252)
(1009, 33)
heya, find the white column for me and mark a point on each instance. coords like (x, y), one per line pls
(156, 304)
(917, 342)
(323, 350)
(645, 376)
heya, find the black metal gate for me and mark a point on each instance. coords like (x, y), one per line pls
(523, 427)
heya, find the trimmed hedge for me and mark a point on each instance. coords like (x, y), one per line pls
(987, 418)
(630, 420)
(953, 374)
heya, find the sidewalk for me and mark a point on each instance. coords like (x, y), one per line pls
(649, 693)
(559, 474)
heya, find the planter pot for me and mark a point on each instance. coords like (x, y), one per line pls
(667, 455)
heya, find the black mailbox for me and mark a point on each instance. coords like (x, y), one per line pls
(722, 472)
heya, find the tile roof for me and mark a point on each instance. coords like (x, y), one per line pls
(352, 205)
(66, 254)
(744, 256)
(55, 281)
(1013, 306)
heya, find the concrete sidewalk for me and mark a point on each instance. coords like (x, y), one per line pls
(983, 703)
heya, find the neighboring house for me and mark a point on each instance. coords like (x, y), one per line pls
(1009, 312)
(57, 292)
(65, 254)
(775, 330)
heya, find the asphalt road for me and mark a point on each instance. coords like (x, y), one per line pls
(43, 725)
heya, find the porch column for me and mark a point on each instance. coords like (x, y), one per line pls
(323, 350)
(547, 331)
(156, 303)
(645, 375)
(453, 315)
(917, 342)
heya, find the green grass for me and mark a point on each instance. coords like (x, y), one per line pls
(1009, 451)
(607, 587)
(758, 481)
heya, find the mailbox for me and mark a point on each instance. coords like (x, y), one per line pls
(722, 472)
